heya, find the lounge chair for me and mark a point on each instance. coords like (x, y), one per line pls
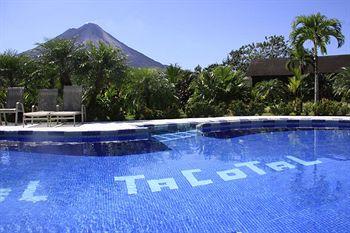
(72, 105)
(46, 104)
(14, 103)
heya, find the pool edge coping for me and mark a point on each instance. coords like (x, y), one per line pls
(142, 130)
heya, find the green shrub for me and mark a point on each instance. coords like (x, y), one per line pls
(148, 113)
(270, 92)
(326, 108)
(204, 109)
(330, 108)
(110, 105)
(214, 89)
(285, 109)
(148, 94)
(256, 108)
(308, 109)
(344, 109)
(238, 108)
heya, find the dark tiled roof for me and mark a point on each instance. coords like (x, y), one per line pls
(277, 66)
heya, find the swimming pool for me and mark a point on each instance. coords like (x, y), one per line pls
(280, 180)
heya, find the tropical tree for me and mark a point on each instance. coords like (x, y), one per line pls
(12, 68)
(174, 73)
(103, 67)
(110, 104)
(20, 70)
(295, 88)
(62, 55)
(341, 83)
(221, 85)
(183, 87)
(214, 89)
(149, 94)
(319, 30)
(271, 92)
(272, 47)
(182, 80)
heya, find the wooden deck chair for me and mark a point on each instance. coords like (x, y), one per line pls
(72, 105)
(46, 104)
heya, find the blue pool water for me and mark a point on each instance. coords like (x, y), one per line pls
(270, 181)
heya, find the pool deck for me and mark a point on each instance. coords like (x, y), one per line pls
(137, 124)
(163, 123)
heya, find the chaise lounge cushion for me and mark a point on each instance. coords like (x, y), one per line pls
(65, 113)
(7, 110)
(37, 114)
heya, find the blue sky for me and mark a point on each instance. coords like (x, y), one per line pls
(185, 32)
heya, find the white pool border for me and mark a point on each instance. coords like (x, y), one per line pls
(141, 129)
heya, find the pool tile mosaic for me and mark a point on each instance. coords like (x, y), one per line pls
(297, 181)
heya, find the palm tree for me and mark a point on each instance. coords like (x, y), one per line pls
(341, 83)
(61, 54)
(318, 29)
(105, 66)
(174, 73)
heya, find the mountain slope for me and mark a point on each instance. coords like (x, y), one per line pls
(94, 33)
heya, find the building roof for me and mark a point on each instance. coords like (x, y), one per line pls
(277, 66)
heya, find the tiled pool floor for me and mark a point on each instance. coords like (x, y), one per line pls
(286, 181)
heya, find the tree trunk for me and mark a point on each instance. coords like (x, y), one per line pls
(64, 81)
(317, 91)
(93, 108)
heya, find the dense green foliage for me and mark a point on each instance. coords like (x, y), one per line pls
(214, 90)
(102, 73)
(61, 56)
(341, 84)
(149, 94)
(12, 69)
(114, 91)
